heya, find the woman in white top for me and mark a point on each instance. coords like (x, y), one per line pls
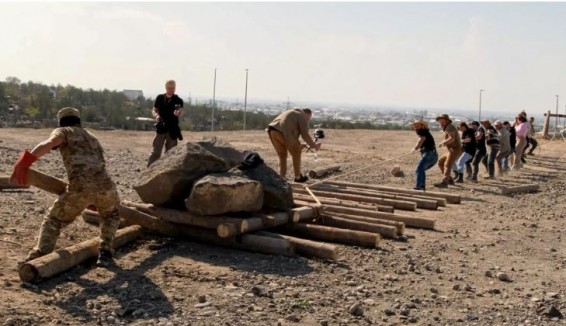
(521, 131)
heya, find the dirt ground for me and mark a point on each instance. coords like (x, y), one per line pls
(441, 277)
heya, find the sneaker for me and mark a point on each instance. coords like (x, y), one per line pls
(489, 177)
(441, 184)
(104, 258)
(420, 189)
(301, 179)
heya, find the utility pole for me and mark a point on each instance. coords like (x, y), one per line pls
(213, 101)
(246, 99)
(479, 116)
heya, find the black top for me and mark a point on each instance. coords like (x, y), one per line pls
(470, 147)
(166, 106)
(428, 144)
(480, 144)
(512, 137)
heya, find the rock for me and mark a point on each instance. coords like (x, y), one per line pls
(277, 192)
(552, 312)
(488, 274)
(293, 318)
(221, 193)
(389, 312)
(324, 323)
(503, 277)
(202, 298)
(396, 172)
(356, 309)
(169, 180)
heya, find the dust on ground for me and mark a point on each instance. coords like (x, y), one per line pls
(447, 276)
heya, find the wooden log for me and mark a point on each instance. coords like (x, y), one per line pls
(400, 226)
(451, 198)
(421, 203)
(184, 217)
(186, 232)
(65, 258)
(386, 231)
(420, 222)
(439, 201)
(345, 203)
(46, 182)
(321, 172)
(268, 245)
(92, 217)
(254, 224)
(400, 204)
(517, 189)
(306, 247)
(306, 212)
(5, 183)
(327, 233)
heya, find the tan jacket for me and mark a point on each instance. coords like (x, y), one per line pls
(292, 124)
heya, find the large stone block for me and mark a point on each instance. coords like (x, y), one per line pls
(277, 192)
(221, 193)
(168, 181)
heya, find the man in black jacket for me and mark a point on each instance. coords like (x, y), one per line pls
(167, 109)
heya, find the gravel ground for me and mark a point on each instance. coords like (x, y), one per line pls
(493, 260)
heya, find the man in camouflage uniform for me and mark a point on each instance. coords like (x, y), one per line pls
(89, 185)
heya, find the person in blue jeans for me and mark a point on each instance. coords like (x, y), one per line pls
(427, 148)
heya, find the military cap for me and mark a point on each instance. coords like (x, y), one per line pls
(68, 112)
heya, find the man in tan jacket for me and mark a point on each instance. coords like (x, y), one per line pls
(284, 132)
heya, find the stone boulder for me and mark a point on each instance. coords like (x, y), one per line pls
(221, 193)
(168, 181)
(277, 192)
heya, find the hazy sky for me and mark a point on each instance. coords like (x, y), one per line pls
(399, 54)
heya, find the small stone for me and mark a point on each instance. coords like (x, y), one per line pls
(201, 298)
(456, 287)
(324, 323)
(503, 277)
(389, 312)
(293, 318)
(356, 309)
(488, 274)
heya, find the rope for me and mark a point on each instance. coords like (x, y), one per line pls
(345, 174)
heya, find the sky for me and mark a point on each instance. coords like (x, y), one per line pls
(412, 54)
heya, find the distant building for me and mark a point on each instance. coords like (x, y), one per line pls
(132, 94)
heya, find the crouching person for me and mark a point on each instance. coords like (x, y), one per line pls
(89, 185)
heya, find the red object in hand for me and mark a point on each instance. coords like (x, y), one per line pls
(21, 168)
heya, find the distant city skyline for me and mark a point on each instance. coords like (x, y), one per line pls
(372, 54)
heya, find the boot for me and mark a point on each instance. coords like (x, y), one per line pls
(441, 184)
(460, 178)
(468, 172)
(450, 181)
(104, 258)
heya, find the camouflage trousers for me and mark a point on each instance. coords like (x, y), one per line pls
(67, 207)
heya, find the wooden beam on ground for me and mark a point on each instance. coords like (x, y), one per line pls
(419, 222)
(386, 231)
(186, 232)
(46, 182)
(327, 233)
(306, 247)
(451, 198)
(66, 258)
(321, 172)
(184, 217)
(5, 183)
(307, 212)
(430, 203)
(345, 203)
(517, 189)
(400, 226)
(400, 204)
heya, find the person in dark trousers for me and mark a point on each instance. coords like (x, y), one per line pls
(481, 149)
(166, 111)
(469, 150)
(492, 142)
(531, 137)
(426, 146)
(512, 142)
